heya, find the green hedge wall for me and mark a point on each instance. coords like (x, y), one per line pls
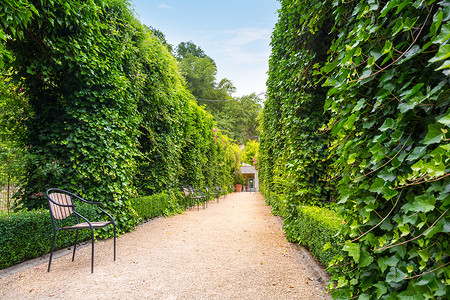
(111, 118)
(28, 234)
(378, 70)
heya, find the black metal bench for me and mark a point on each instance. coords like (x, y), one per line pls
(221, 191)
(194, 197)
(213, 193)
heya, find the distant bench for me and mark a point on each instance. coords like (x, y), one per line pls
(193, 197)
(214, 193)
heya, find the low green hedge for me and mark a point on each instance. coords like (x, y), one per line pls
(162, 204)
(28, 234)
(278, 204)
(315, 228)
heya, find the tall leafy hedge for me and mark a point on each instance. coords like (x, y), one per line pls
(111, 116)
(386, 115)
(294, 111)
(82, 134)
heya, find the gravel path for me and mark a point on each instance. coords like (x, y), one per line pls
(235, 249)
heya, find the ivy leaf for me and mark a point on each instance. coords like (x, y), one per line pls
(389, 193)
(381, 289)
(443, 53)
(408, 105)
(445, 65)
(364, 297)
(377, 186)
(444, 35)
(395, 275)
(350, 121)
(386, 175)
(404, 229)
(413, 91)
(410, 294)
(445, 119)
(387, 47)
(392, 261)
(426, 279)
(388, 124)
(434, 134)
(423, 203)
(353, 250)
(365, 260)
(417, 153)
(381, 261)
(410, 54)
(389, 5)
(359, 105)
(436, 228)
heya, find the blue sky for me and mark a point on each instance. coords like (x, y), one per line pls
(235, 33)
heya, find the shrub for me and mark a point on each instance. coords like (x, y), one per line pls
(315, 227)
(278, 204)
(28, 234)
(148, 207)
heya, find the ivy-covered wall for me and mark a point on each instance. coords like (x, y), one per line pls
(293, 112)
(111, 117)
(381, 139)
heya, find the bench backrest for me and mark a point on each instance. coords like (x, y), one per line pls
(60, 212)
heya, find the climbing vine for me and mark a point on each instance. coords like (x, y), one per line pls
(110, 117)
(294, 109)
(387, 120)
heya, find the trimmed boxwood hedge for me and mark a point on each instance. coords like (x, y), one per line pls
(148, 207)
(28, 234)
(313, 227)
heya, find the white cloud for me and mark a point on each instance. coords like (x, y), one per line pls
(244, 36)
(164, 6)
(241, 55)
(246, 45)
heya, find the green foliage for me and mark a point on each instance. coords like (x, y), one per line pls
(15, 16)
(111, 117)
(14, 110)
(189, 49)
(163, 105)
(200, 75)
(317, 229)
(293, 111)
(70, 62)
(162, 38)
(149, 207)
(251, 152)
(240, 118)
(278, 203)
(28, 234)
(386, 122)
(236, 117)
(238, 178)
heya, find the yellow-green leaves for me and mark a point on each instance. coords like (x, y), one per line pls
(353, 250)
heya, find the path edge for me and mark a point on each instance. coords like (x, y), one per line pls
(312, 266)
